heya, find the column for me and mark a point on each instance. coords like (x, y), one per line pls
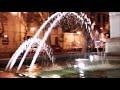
(112, 47)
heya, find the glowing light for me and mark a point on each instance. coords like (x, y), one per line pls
(97, 46)
(81, 71)
(32, 76)
(51, 76)
(17, 13)
(78, 32)
(32, 29)
(81, 74)
(81, 59)
(81, 65)
(83, 77)
(5, 36)
(55, 76)
(101, 27)
(98, 41)
(20, 75)
(107, 34)
(75, 66)
(24, 12)
(91, 58)
(14, 13)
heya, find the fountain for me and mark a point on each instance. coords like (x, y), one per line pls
(82, 65)
(25, 46)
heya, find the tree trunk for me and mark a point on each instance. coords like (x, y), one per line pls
(26, 31)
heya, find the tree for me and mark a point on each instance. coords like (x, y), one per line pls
(31, 19)
(69, 23)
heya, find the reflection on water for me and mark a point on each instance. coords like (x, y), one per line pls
(87, 69)
(68, 69)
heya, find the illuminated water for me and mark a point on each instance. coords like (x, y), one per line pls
(67, 69)
(86, 69)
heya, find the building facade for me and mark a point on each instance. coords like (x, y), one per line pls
(14, 32)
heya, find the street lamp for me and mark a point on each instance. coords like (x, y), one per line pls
(78, 32)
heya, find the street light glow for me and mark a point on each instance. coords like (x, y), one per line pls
(78, 32)
(5, 36)
(78, 42)
(33, 29)
(14, 13)
(17, 13)
(101, 27)
(24, 12)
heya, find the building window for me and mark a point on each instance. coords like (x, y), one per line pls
(5, 40)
